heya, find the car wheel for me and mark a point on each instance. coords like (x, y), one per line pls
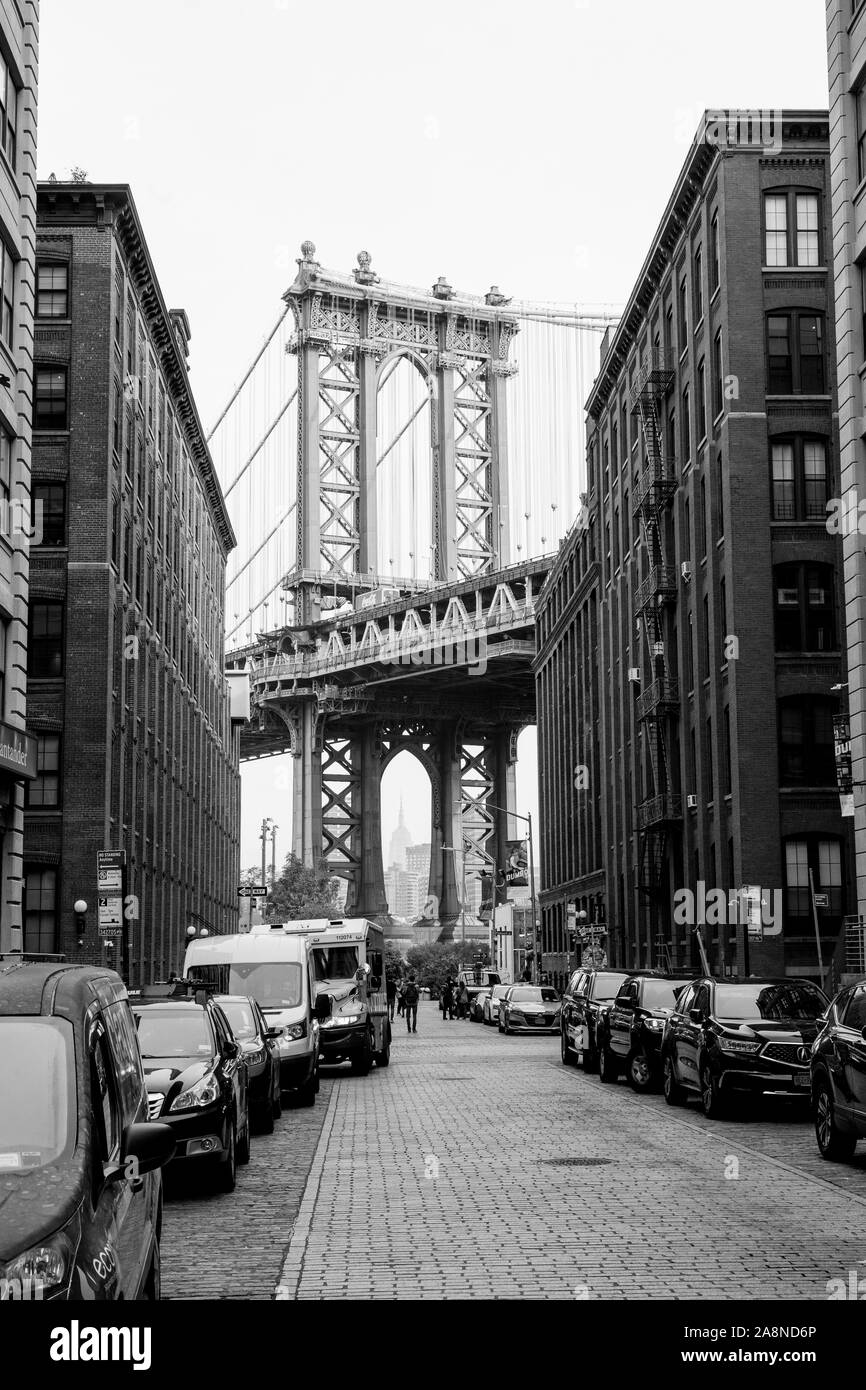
(674, 1093)
(833, 1142)
(265, 1117)
(499, 1024)
(383, 1058)
(362, 1061)
(243, 1146)
(565, 1051)
(640, 1073)
(590, 1059)
(277, 1101)
(152, 1290)
(227, 1170)
(712, 1100)
(607, 1067)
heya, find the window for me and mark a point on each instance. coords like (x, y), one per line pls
(824, 858)
(49, 393)
(800, 482)
(723, 613)
(791, 229)
(702, 519)
(698, 286)
(795, 354)
(860, 104)
(6, 470)
(40, 909)
(702, 400)
(106, 1118)
(130, 337)
(727, 772)
(715, 263)
(805, 618)
(710, 794)
(8, 112)
(668, 331)
(50, 512)
(45, 640)
(139, 480)
(683, 315)
(705, 664)
(686, 427)
(687, 530)
(855, 1013)
(806, 755)
(115, 537)
(52, 291)
(127, 553)
(139, 571)
(718, 379)
(44, 789)
(117, 426)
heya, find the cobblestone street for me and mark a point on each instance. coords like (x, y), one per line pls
(478, 1166)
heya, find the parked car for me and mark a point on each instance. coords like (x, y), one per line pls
(630, 1033)
(588, 995)
(261, 1054)
(529, 1009)
(838, 1074)
(746, 1037)
(490, 1008)
(476, 1005)
(80, 1187)
(196, 1078)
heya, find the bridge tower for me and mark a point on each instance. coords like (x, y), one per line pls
(351, 331)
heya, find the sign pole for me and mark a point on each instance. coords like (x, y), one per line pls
(817, 932)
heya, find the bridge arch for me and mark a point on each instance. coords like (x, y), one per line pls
(406, 395)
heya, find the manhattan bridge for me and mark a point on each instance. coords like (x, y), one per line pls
(401, 465)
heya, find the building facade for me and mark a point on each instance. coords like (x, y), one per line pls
(19, 35)
(712, 454)
(137, 753)
(846, 52)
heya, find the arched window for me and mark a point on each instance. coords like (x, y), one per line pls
(804, 605)
(806, 757)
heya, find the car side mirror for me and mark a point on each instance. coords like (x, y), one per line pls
(322, 1007)
(374, 982)
(147, 1145)
(696, 1015)
(274, 1032)
(232, 1051)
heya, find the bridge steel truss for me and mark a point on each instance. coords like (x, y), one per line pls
(660, 811)
(441, 670)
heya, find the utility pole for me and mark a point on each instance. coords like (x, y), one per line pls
(274, 829)
(264, 839)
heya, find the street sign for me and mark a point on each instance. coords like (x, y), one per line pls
(110, 871)
(251, 890)
(822, 899)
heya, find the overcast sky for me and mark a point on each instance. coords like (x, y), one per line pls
(530, 145)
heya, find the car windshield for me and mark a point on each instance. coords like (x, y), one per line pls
(273, 984)
(532, 994)
(241, 1017)
(499, 990)
(607, 986)
(174, 1033)
(774, 1002)
(37, 1093)
(662, 994)
(335, 962)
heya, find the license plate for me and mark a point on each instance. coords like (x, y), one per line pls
(802, 1080)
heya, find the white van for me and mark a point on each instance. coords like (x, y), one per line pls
(276, 970)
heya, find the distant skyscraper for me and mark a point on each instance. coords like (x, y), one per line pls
(400, 842)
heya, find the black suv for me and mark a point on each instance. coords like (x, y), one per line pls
(630, 1033)
(80, 1193)
(196, 1077)
(588, 994)
(747, 1036)
(839, 1074)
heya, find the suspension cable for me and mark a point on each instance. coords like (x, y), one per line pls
(261, 444)
(260, 547)
(255, 362)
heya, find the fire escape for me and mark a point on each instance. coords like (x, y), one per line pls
(658, 703)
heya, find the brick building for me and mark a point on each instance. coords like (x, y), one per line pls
(846, 53)
(126, 694)
(711, 452)
(19, 34)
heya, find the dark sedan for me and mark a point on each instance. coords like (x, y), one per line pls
(588, 996)
(747, 1037)
(839, 1074)
(261, 1056)
(196, 1079)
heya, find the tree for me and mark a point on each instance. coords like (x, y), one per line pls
(433, 964)
(301, 892)
(395, 965)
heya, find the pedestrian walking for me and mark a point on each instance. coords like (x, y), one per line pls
(463, 1000)
(401, 985)
(448, 999)
(410, 1004)
(391, 991)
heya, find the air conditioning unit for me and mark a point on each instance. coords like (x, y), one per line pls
(634, 675)
(692, 801)
(686, 571)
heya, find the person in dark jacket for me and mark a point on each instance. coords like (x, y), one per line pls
(448, 999)
(411, 995)
(391, 991)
